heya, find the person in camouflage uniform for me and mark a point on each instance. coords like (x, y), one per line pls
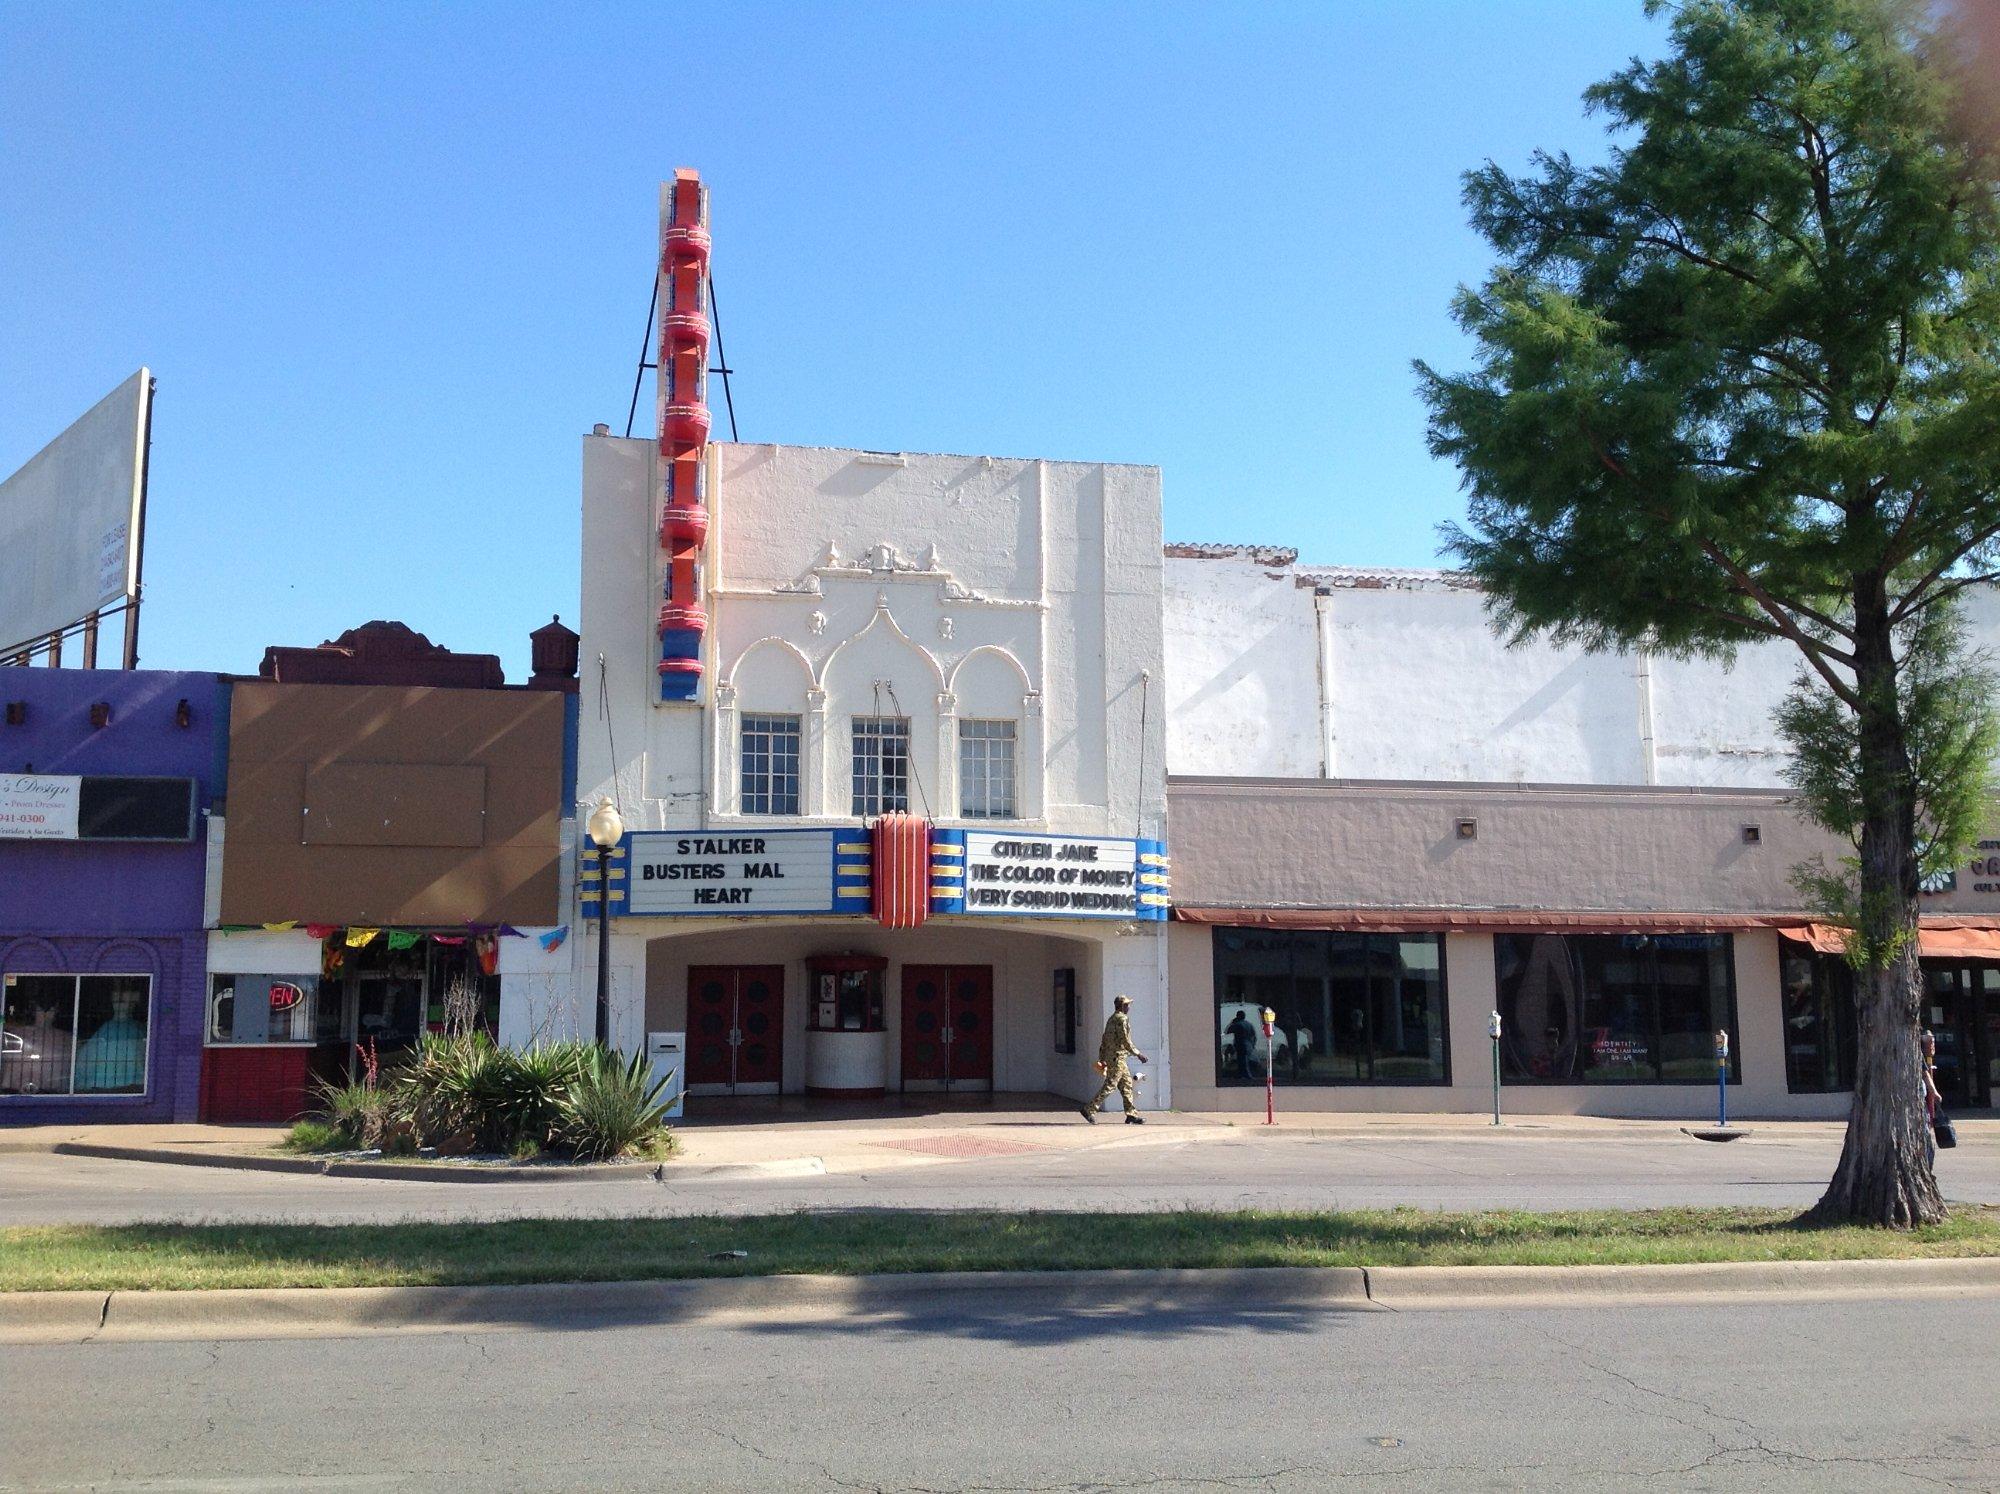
(1111, 1051)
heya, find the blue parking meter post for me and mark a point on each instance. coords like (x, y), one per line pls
(1722, 1079)
(1493, 1031)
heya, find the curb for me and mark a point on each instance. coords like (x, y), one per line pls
(333, 1312)
(186, 1157)
(1413, 1288)
(405, 1172)
(51, 1317)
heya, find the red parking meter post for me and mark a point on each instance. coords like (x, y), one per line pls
(1270, 1069)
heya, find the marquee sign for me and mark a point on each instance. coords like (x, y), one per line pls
(728, 872)
(999, 874)
(974, 873)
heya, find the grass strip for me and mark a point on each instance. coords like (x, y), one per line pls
(169, 1257)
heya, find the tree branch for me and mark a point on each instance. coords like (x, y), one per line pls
(1817, 652)
(1908, 607)
(1895, 379)
(1693, 255)
(1914, 599)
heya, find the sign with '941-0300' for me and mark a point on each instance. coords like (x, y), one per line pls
(730, 872)
(38, 806)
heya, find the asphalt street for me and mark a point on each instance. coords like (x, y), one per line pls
(993, 1393)
(1213, 1168)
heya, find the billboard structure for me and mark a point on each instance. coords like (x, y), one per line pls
(72, 531)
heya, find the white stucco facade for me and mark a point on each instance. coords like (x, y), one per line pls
(1281, 670)
(848, 586)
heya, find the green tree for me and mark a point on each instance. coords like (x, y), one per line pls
(1740, 383)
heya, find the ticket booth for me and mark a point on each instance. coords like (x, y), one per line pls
(847, 1040)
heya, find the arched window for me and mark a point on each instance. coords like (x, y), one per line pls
(990, 693)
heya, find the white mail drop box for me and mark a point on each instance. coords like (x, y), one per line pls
(668, 1054)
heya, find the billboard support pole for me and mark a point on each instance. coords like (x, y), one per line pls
(139, 539)
(90, 641)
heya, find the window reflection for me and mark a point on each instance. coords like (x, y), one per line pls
(1614, 1008)
(1819, 1023)
(1350, 1008)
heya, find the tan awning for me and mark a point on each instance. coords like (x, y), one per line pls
(1934, 942)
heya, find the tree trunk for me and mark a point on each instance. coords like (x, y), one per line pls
(1884, 1176)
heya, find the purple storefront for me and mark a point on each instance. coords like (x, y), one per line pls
(106, 783)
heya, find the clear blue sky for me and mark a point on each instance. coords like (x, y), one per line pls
(390, 262)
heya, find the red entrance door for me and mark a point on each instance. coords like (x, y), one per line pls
(947, 1027)
(736, 1027)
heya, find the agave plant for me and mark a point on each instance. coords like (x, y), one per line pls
(510, 1100)
(614, 1105)
(529, 1088)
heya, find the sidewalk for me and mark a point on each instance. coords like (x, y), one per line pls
(831, 1139)
(172, 1135)
(878, 1138)
(1033, 1157)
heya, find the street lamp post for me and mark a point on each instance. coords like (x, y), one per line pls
(607, 828)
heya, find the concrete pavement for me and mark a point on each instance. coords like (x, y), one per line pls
(1048, 1160)
(951, 1393)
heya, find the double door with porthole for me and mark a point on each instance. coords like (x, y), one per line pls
(736, 1028)
(947, 1027)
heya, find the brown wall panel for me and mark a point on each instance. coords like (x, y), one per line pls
(432, 850)
(396, 804)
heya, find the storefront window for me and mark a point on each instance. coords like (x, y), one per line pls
(1819, 1022)
(1614, 1008)
(74, 1034)
(881, 764)
(770, 765)
(1351, 1008)
(262, 1008)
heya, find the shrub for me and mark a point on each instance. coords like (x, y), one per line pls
(614, 1105)
(542, 1076)
(458, 1084)
(462, 1092)
(361, 1113)
(314, 1136)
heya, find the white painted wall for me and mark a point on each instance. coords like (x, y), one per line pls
(842, 583)
(1242, 682)
(1277, 670)
(1421, 688)
(539, 988)
(263, 952)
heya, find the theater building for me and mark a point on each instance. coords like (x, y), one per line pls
(887, 734)
(1387, 826)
